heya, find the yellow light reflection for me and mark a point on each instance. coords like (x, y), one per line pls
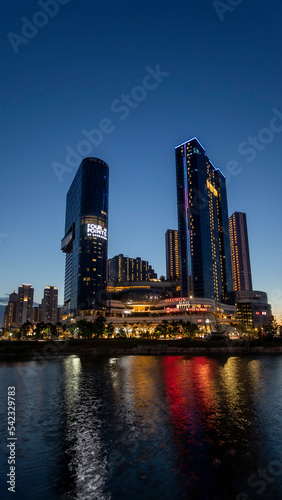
(230, 381)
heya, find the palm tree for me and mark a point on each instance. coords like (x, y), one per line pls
(71, 327)
(110, 328)
(187, 328)
(39, 329)
(24, 330)
(48, 329)
(158, 331)
(85, 328)
(165, 327)
(54, 331)
(174, 328)
(121, 332)
(99, 326)
(59, 328)
(134, 330)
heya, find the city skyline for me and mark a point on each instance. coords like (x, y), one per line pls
(190, 141)
(227, 94)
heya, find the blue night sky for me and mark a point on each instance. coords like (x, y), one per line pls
(222, 80)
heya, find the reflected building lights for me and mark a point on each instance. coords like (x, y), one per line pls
(254, 369)
(88, 463)
(72, 366)
(229, 375)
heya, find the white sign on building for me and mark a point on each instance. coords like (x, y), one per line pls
(96, 231)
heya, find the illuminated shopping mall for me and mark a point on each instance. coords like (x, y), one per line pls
(155, 301)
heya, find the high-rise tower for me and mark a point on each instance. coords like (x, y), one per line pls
(10, 315)
(240, 256)
(123, 269)
(25, 304)
(172, 255)
(50, 305)
(202, 224)
(86, 237)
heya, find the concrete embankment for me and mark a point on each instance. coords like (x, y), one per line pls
(46, 349)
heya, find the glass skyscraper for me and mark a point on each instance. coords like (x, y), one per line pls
(86, 237)
(205, 259)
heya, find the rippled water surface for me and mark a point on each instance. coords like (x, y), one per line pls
(144, 427)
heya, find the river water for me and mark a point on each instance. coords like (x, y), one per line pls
(144, 427)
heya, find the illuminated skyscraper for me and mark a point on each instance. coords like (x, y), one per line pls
(25, 304)
(10, 315)
(125, 269)
(172, 255)
(240, 256)
(50, 305)
(86, 237)
(202, 224)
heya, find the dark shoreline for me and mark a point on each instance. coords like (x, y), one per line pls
(46, 349)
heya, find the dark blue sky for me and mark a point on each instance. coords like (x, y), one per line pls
(224, 82)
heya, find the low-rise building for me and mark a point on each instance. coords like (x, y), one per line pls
(154, 303)
(253, 308)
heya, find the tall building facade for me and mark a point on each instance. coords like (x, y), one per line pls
(202, 224)
(86, 237)
(124, 269)
(37, 314)
(25, 304)
(172, 255)
(10, 314)
(50, 305)
(240, 255)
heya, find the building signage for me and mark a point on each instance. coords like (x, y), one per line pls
(176, 299)
(96, 231)
(188, 309)
(183, 305)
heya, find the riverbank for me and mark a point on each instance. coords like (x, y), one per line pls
(114, 347)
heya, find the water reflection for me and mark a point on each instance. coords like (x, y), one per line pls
(149, 427)
(72, 372)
